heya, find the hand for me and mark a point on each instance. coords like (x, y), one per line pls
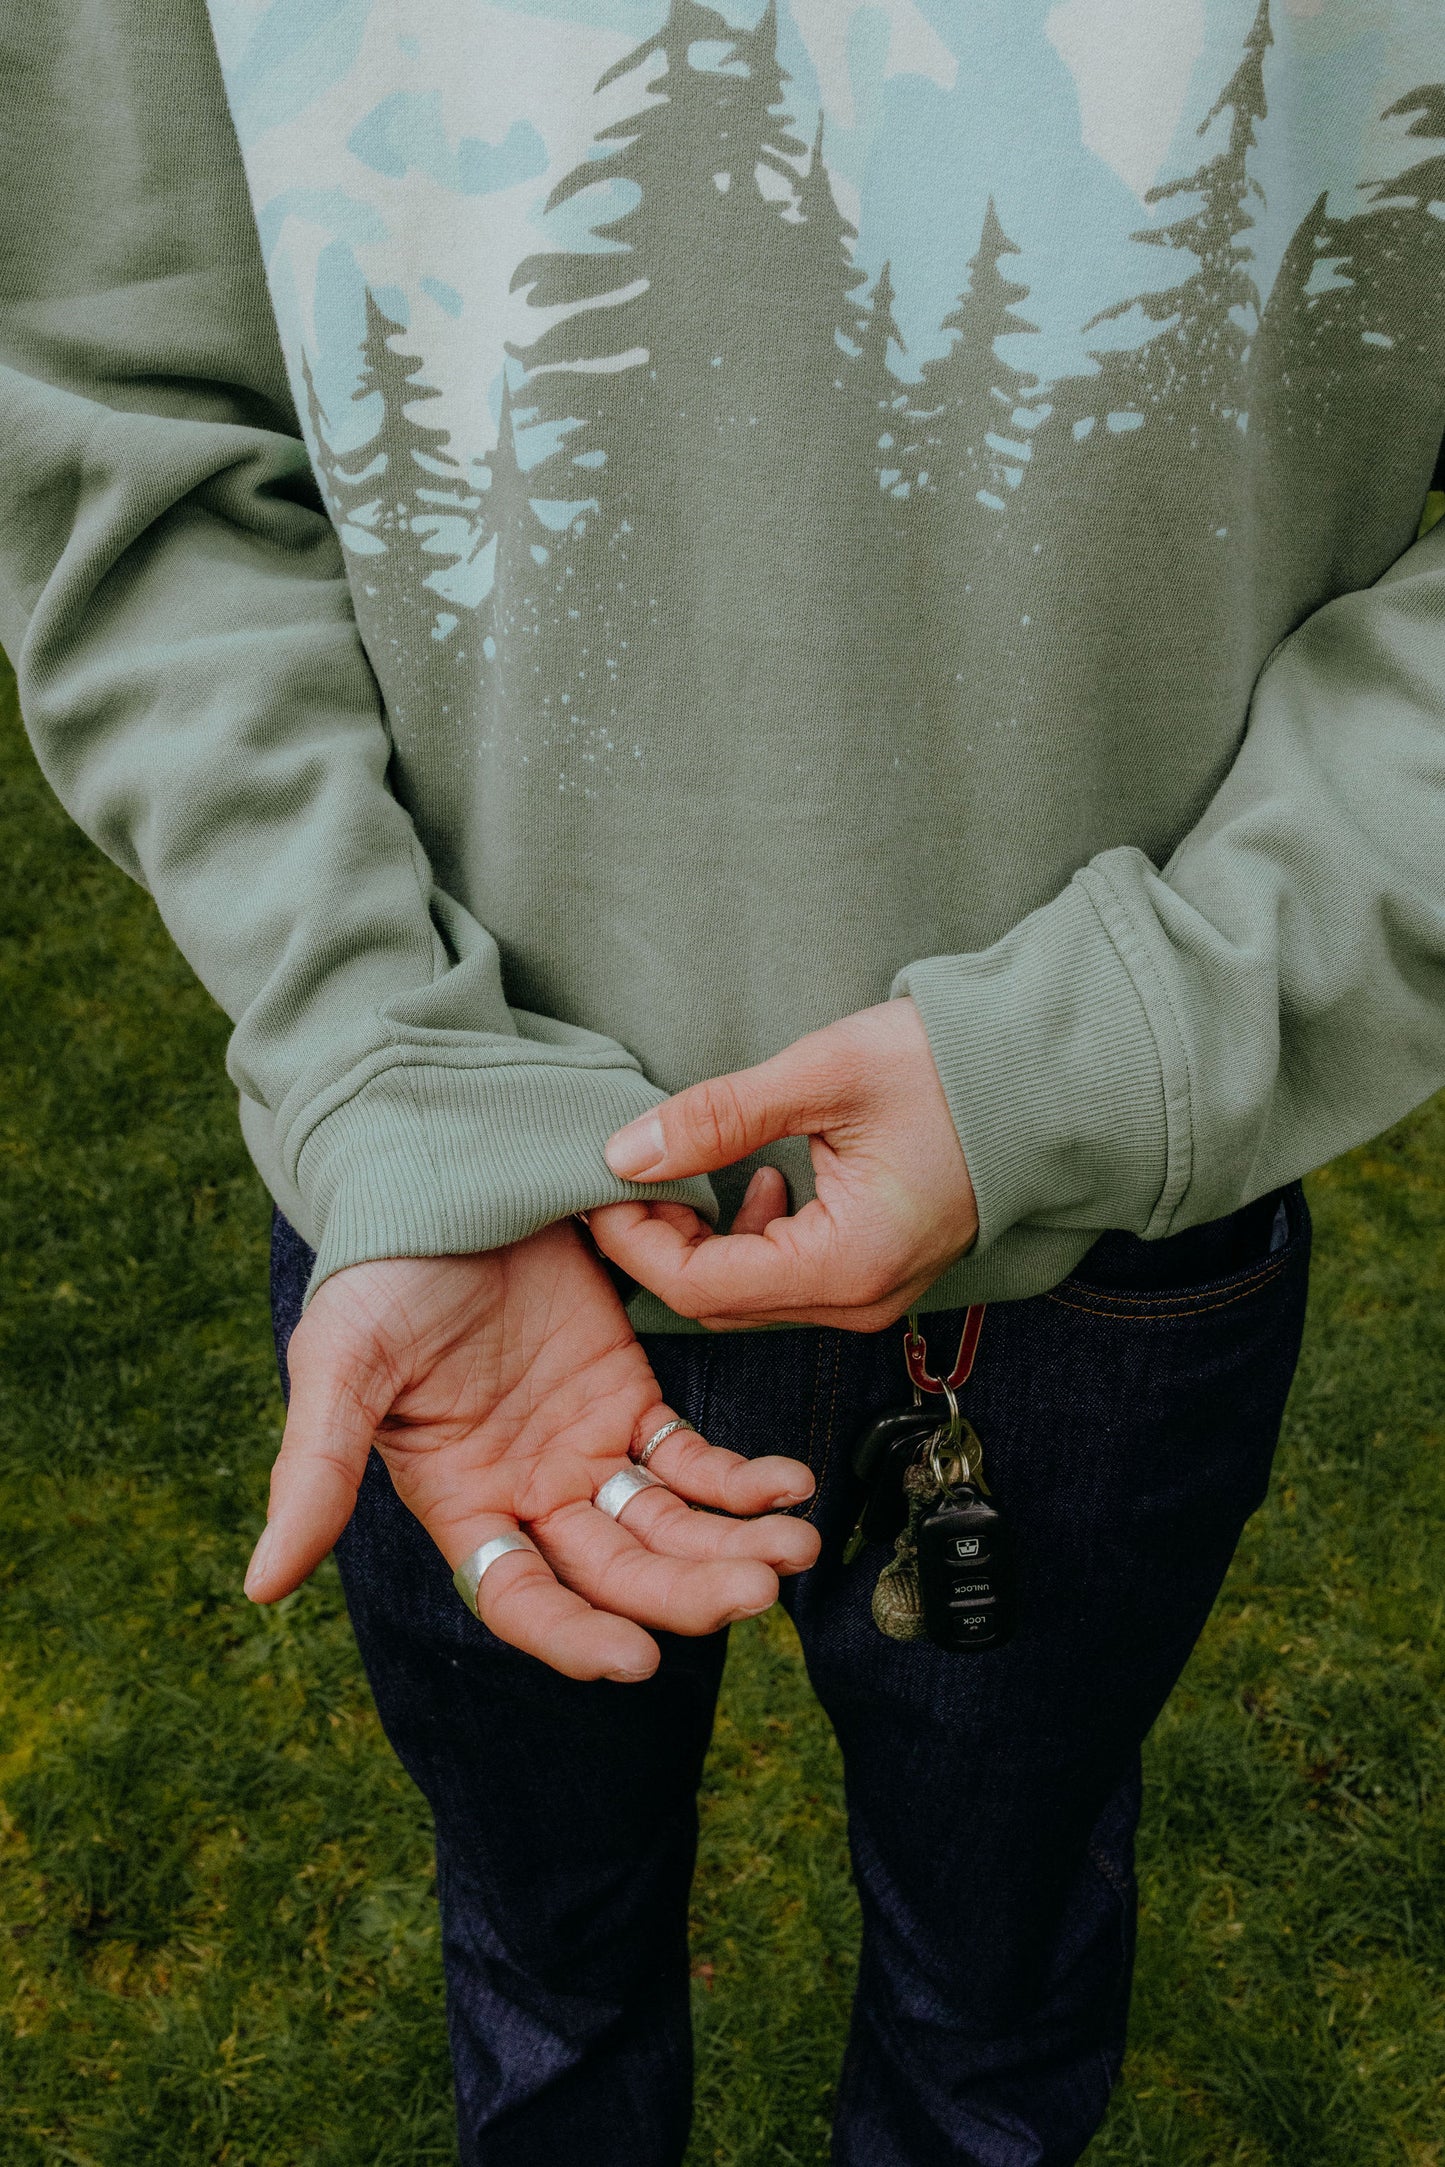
(505, 1389)
(894, 1207)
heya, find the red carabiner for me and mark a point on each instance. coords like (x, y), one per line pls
(915, 1353)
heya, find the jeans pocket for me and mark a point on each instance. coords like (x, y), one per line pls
(1193, 1274)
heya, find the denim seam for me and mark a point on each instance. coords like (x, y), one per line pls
(806, 1512)
(813, 1403)
(1183, 1308)
(703, 1390)
(832, 1410)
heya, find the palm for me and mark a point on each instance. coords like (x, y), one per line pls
(506, 1388)
(525, 1384)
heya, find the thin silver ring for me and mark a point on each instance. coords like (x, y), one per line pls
(468, 1576)
(618, 1491)
(669, 1429)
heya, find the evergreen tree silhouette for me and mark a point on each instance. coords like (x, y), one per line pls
(421, 474)
(323, 461)
(1191, 374)
(516, 614)
(1377, 318)
(526, 617)
(891, 444)
(691, 155)
(1395, 250)
(1301, 359)
(968, 395)
(718, 317)
(825, 323)
(604, 379)
(1423, 184)
(1356, 341)
(756, 125)
(400, 487)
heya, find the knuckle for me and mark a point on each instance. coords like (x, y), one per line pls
(718, 1118)
(647, 1425)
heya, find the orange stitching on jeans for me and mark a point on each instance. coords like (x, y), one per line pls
(1169, 1316)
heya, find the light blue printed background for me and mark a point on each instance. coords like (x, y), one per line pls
(410, 145)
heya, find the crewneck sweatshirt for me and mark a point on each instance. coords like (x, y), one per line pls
(571, 542)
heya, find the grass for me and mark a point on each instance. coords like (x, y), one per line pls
(217, 1939)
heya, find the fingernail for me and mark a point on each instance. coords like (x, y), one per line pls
(637, 1147)
(790, 1497)
(799, 1483)
(256, 1570)
(629, 1677)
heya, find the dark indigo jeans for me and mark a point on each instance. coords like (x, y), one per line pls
(1129, 1418)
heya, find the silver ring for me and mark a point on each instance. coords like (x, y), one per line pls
(468, 1576)
(669, 1429)
(618, 1491)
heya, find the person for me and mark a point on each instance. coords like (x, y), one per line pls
(779, 659)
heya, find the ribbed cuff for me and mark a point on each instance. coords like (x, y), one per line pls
(1052, 1072)
(442, 1161)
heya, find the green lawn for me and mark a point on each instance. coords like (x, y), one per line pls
(217, 1940)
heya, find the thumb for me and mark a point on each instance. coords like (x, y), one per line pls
(714, 1124)
(329, 1428)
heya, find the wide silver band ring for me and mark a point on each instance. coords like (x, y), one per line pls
(618, 1491)
(468, 1576)
(669, 1429)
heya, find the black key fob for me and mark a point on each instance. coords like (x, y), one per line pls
(888, 1432)
(963, 1573)
(885, 1509)
(881, 1457)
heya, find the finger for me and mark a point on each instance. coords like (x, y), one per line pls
(602, 1218)
(607, 1565)
(521, 1601)
(718, 1122)
(764, 1199)
(665, 1524)
(336, 1405)
(796, 1264)
(707, 1475)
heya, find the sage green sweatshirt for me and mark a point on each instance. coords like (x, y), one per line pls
(570, 542)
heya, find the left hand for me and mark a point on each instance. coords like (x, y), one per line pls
(894, 1205)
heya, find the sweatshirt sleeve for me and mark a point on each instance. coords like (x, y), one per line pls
(175, 602)
(1156, 1047)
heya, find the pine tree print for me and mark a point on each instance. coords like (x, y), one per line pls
(692, 160)
(421, 474)
(605, 379)
(318, 435)
(517, 612)
(891, 446)
(721, 361)
(1357, 303)
(1395, 251)
(969, 395)
(391, 500)
(826, 322)
(1355, 321)
(730, 329)
(1298, 360)
(1191, 376)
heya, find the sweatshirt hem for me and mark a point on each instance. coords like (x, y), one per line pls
(449, 1161)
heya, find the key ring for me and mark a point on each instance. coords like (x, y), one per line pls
(952, 1444)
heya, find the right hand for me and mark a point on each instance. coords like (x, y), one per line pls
(503, 1389)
